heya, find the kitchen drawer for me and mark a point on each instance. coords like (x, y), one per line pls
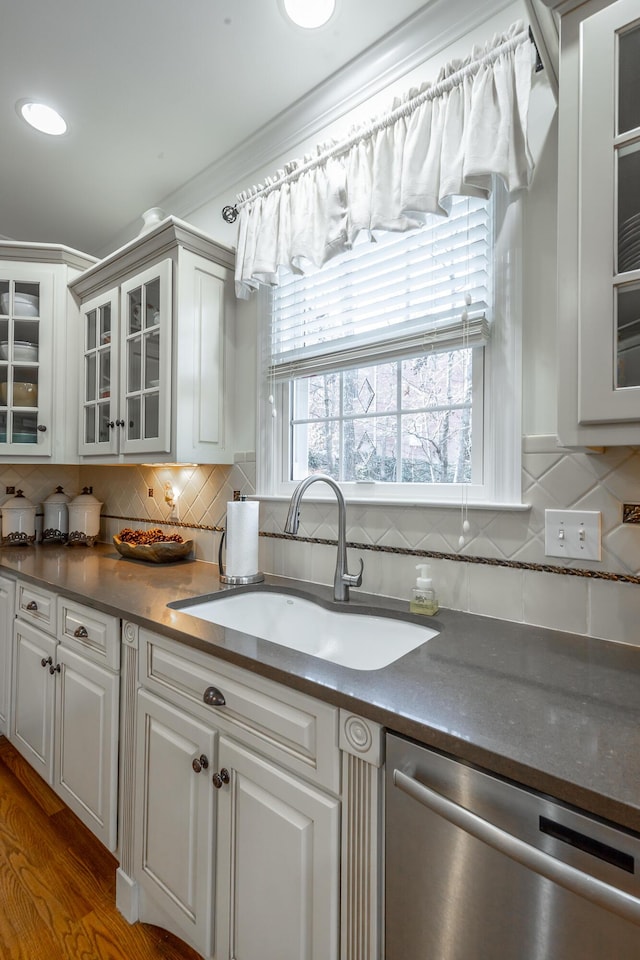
(36, 605)
(91, 633)
(296, 730)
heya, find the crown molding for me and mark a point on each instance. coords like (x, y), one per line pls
(430, 30)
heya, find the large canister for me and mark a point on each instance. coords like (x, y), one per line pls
(55, 526)
(18, 521)
(84, 518)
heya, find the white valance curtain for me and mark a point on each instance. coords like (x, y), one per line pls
(444, 140)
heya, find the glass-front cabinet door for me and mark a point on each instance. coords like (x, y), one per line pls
(126, 381)
(26, 375)
(99, 412)
(145, 361)
(609, 252)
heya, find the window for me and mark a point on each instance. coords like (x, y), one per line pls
(383, 369)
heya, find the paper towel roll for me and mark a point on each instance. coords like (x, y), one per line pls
(242, 538)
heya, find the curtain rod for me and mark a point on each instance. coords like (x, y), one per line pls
(230, 212)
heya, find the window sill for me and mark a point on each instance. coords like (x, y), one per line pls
(402, 502)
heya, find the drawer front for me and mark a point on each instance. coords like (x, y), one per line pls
(298, 731)
(37, 606)
(91, 633)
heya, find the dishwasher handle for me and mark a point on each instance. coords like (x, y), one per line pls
(597, 891)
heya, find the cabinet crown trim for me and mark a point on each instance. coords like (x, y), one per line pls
(154, 245)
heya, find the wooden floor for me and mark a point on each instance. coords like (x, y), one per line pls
(57, 882)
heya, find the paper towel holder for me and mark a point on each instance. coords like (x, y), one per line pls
(254, 578)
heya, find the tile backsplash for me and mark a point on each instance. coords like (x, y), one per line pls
(502, 570)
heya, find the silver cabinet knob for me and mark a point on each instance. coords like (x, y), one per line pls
(80, 632)
(46, 661)
(32, 605)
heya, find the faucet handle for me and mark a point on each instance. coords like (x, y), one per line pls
(354, 579)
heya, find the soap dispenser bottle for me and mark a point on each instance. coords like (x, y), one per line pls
(423, 598)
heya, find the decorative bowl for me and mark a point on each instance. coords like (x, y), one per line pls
(163, 551)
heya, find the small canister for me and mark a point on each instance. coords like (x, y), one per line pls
(18, 521)
(84, 519)
(56, 517)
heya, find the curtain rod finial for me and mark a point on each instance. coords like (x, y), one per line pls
(230, 213)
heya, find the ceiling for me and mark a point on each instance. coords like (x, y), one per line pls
(154, 91)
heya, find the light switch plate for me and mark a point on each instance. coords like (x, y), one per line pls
(573, 534)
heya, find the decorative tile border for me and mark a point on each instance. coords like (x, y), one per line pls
(631, 513)
(401, 551)
(462, 558)
(149, 521)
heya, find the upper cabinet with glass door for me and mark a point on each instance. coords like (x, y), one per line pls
(154, 350)
(599, 225)
(127, 366)
(37, 318)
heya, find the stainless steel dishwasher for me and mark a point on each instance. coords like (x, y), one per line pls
(478, 868)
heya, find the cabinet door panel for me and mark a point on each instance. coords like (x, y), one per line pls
(26, 360)
(609, 242)
(99, 376)
(278, 863)
(145, 361)
(33, 697)
(7, 600)
(175, 808)
(86, 768)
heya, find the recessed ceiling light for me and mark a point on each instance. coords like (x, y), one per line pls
(43, 118)
(309, 13)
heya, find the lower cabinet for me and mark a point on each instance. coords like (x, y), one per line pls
(32, 715)
(277, 862)
(7, 601)
(174, 819)
(64, 713)
(234, 850)
(86, 743)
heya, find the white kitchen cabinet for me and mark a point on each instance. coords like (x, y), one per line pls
(86, 742)
(175, 817)
(219, 794)
(7, 613)
(33, 701)
(64, 710)
(277, 863)
(157, 328)
(38, 374)
(599, 225)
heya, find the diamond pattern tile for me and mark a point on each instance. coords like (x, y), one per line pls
(551, 478)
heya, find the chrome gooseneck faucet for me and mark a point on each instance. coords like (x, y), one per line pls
(342, 579)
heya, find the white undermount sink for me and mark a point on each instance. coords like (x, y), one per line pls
(351, 639)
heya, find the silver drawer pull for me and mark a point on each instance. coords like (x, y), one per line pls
(80, 632)
(32, 605)
(213, 697)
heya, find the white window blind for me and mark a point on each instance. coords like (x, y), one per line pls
(405, 293)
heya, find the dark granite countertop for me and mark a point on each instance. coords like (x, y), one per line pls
(551, 710)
